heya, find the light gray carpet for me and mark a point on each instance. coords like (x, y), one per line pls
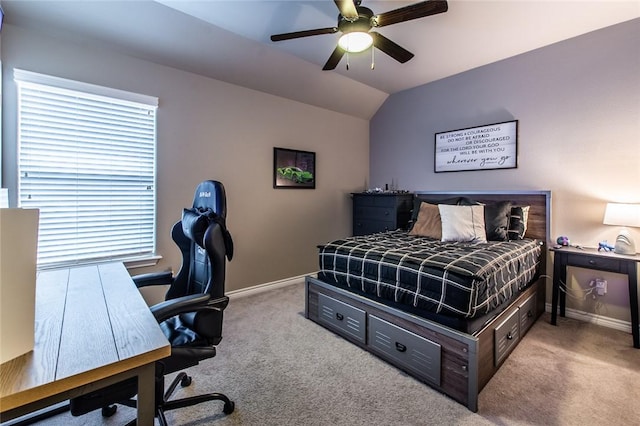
(282, 369)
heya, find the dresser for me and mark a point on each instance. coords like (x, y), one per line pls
(380, 212)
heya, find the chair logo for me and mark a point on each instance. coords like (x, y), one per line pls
(205, 194)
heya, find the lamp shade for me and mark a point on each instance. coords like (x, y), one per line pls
(622, 214)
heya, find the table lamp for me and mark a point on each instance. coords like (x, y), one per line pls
(623, 215)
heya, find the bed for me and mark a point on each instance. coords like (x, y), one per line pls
(447, 312)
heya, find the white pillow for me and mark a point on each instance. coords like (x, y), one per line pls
(462, 223)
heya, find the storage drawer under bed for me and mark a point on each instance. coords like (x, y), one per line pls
(409, 350)
(338, 315)
(507, 335)
(527, 311)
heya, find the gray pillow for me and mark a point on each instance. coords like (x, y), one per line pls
(518, 222)
(496, 220)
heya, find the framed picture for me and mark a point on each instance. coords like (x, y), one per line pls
(294, 169)
(494, 146)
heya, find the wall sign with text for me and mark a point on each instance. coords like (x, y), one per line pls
(494, 146)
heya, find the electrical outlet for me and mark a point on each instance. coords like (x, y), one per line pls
(601, 287)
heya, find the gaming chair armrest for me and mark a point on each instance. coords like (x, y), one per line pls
(186, 304)
(153, 278)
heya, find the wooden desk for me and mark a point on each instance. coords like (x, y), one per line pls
(601, 261)
(92, 329)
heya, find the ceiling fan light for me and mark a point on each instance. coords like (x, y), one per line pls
(356, 41)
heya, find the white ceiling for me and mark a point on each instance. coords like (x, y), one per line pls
(229, 40)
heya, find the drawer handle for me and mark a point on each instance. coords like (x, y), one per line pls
(509, 336)
(592, 262)
(400, 347)
(339, 316)
(529, 314)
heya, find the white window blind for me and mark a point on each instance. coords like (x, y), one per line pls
(86, 159)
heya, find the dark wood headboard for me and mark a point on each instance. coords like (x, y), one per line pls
(539, 222)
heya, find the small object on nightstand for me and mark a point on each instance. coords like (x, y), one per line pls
(563, 241)
(603, 245)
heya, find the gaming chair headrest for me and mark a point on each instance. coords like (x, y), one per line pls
(210, 195)
(209, 205)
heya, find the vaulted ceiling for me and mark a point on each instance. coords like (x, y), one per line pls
(229, 40)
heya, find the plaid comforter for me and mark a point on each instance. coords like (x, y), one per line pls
(452, 278)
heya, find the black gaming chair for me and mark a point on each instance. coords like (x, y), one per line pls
(191, 315)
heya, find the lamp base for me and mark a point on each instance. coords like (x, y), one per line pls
(624, 243)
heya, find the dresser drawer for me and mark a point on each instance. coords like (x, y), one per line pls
(365, 227)
(339, 315)
(527, 312)
(374, 200)
(599, 263)
(409, 350)
(375, 213)
(506, 337)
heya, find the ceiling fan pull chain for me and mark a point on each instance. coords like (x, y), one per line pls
(373, 59)
(347, 61)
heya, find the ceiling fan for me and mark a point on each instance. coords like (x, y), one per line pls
(355, 23)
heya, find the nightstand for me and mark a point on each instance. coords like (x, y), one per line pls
(600, 261)
(380, 212)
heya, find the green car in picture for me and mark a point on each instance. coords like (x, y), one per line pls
(295, 174)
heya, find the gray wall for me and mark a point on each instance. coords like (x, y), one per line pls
(208, 129)
(578, 106)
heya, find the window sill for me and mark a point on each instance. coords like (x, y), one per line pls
(129, 262)
(142, 262)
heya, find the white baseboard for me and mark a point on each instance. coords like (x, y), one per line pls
(595, 319)
(260, 288)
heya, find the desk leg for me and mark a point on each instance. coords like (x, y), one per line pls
(146, 395)
(632, 273)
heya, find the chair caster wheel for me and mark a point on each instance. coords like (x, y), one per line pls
(186, 381)
(109, 410)
(229, 407)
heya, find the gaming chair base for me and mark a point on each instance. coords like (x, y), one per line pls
(181, 379)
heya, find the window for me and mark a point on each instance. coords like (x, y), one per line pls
(86, 159)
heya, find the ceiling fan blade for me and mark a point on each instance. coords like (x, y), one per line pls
(414, 11)
(307, 33)
(347, 9)
(397, 52)
(335, 57)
